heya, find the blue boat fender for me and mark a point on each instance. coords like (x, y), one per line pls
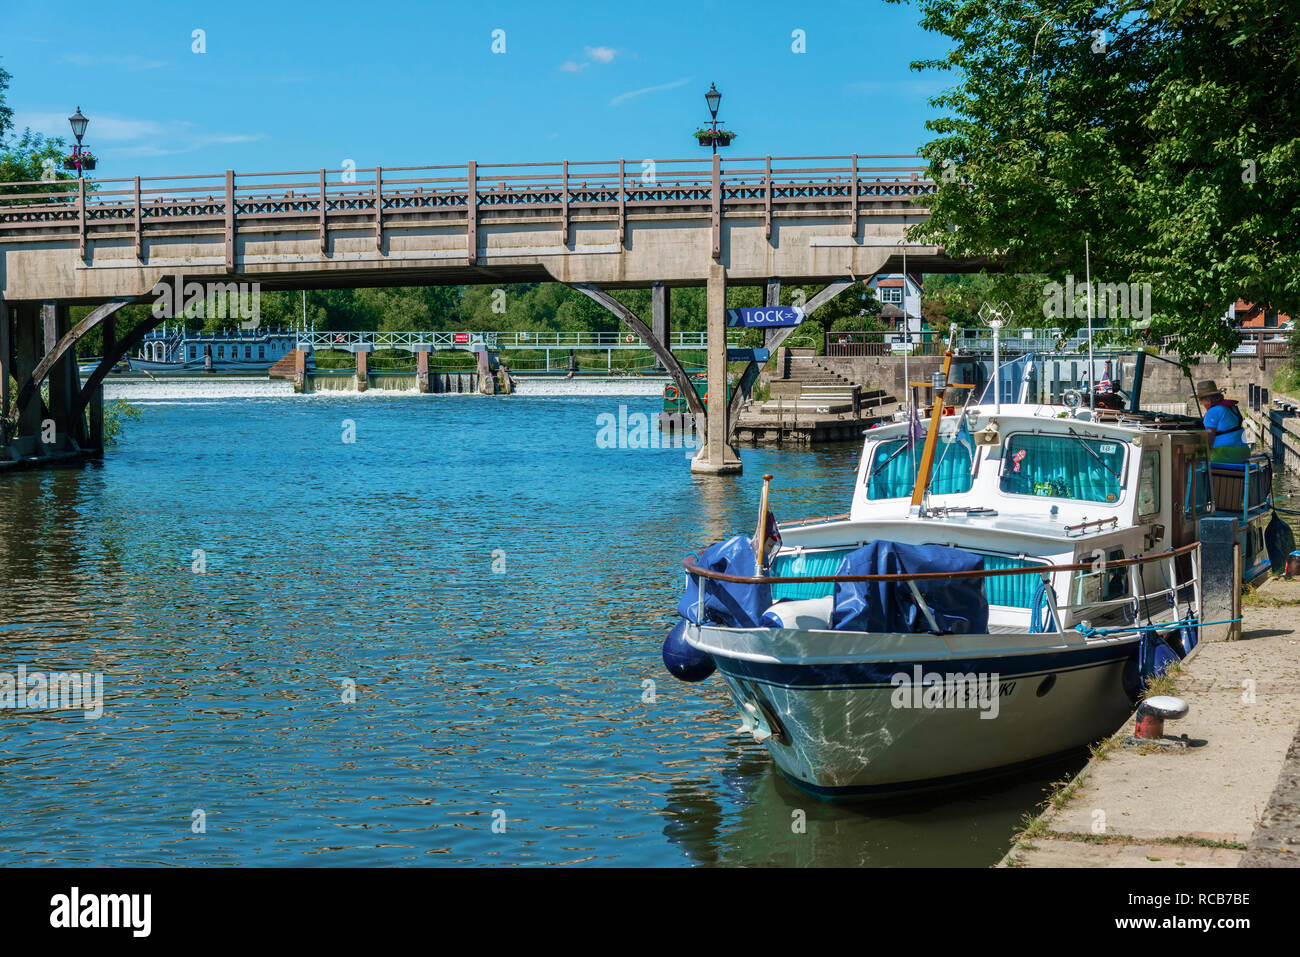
(684, 661)
(1279, 542)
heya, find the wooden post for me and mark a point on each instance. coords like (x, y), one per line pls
(139, 226)
(379, 208)
(564, 206)
(300, 370)
(471, 212)
(622, 205)
(363, 371)
(716, 215)
(81, 216)
(853, 212)
(5, 371)
(422, 370)
(1234, 633)
(1220, 572)
(324, 208)
(767, 199)
(230, 220)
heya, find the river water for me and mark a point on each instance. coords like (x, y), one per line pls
(490, 586)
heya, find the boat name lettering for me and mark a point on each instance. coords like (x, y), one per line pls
(932, 689)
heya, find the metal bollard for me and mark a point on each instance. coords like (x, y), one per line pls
(1154, 712)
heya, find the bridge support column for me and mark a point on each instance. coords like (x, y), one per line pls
(661, 316)
(6, 346)
(95, 404)
(717, 457)
(300, 370)
(363, 371)
(64, 382)
(422, 370)
(25, 437)
(487, 382)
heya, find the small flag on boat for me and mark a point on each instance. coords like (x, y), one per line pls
(964, 438)
(773, 532)
(914, 431)
(1104, 386)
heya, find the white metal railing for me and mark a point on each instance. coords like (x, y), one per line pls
(496, 340)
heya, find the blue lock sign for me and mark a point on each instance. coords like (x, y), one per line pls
(765, 316)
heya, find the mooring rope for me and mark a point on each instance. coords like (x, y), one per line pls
(1088, 631)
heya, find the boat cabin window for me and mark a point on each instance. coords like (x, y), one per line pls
(1149, 483)
(1063, 466)
(1100, 582)
(892, 473)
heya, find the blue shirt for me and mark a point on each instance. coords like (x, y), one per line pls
(1224, 419)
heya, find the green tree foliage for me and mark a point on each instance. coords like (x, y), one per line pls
(956, 298)
(1165, 131)
(30, 156)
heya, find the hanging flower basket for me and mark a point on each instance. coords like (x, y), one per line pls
(84, 162)
(708, 138)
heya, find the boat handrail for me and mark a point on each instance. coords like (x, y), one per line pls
(694, 569)
(816, 520)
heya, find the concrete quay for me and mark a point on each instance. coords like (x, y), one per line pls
(1230, 798)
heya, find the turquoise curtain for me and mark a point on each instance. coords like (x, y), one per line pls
(952, 470)
(1015, 591)
(788, 565)
(1063, 467)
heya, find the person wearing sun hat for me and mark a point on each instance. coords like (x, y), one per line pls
(1225, 422)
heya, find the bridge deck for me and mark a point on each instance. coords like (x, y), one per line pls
(611, 223)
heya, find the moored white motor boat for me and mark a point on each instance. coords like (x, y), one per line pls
(994, 596)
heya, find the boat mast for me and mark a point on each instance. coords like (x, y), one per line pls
(1087, 269)
(932, 434)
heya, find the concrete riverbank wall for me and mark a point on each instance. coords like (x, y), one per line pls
(1230, 797)
(1163, 382)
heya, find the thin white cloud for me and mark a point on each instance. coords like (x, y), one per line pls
(650, 89)
(568, 66)
(133, 137)
(601, 54)
(908, 87)
(128, 61)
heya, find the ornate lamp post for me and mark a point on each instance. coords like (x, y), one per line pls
(713, 136)
(78, 124)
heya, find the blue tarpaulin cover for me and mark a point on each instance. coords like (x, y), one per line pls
(730, 604)
(957, 605)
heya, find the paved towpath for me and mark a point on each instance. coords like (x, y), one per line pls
(1231, 798)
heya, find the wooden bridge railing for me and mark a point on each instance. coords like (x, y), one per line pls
(563, 187)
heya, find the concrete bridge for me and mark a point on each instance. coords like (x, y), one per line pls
(593, 225)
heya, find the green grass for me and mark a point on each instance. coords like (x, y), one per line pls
(1287, 380)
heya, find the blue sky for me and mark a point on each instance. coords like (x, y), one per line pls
(304, 85)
